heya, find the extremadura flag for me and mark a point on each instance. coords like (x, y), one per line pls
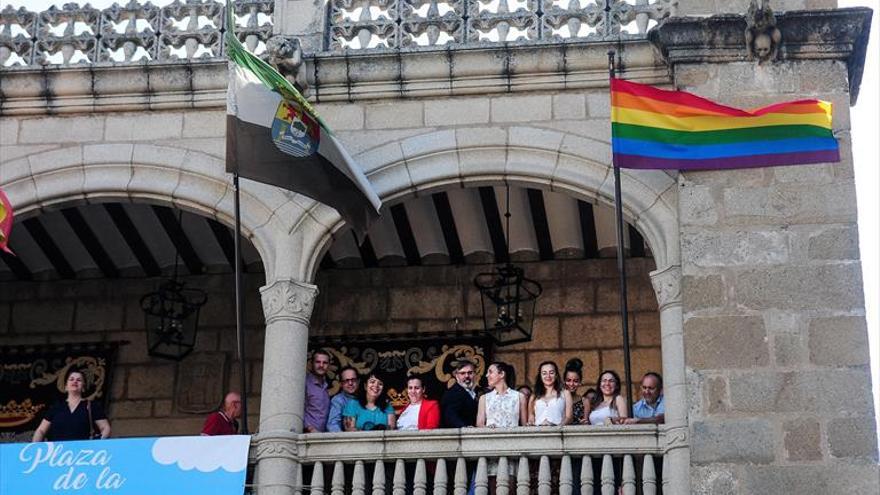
(653, 128)
(274, 136)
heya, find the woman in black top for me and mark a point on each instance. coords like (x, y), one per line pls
(69, 420)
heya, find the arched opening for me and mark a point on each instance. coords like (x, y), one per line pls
(74, 289)
(393, 301)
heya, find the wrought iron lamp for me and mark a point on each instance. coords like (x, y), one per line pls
(172, 317)
(508, 298)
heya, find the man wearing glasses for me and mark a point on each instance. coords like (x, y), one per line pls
(459, 403)
(348, 377)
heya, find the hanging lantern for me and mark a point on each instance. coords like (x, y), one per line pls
(508, 301)
(172, 319)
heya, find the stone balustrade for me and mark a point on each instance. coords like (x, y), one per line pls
(193, 29)
(132, 33)
(384, 24)
(519, 460)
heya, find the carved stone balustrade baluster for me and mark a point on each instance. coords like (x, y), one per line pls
(420, 479)
(68, 44)
(132, 36)
(523, 484)
(566, 483)
(460, 485)
(629, 476)
(649, 476)
(607, 475)
(337, 484)
(502, 479)
(398, 483)
(586, 474)
(317, 484)
(258, 25)
(21, 44)
(359, 479)
(191, 38)
(544, 476)
(481, 478)
(441, 479)
(379, 478)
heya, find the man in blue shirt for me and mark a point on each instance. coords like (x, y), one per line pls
(348, 377)
(650, 409)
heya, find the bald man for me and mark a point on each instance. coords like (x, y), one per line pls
(223, 421)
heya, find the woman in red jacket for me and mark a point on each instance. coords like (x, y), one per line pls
(421, 413)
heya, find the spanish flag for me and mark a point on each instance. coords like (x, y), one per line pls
(6, 218)
(274, 136)
(653, 128)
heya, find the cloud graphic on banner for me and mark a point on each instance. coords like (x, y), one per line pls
(206, 454)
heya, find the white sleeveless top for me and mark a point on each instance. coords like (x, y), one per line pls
(502, 411)
(553, 410)
(598, 416)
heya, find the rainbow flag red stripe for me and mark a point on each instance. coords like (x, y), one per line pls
(653, 128)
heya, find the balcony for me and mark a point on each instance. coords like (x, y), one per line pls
(538, 459)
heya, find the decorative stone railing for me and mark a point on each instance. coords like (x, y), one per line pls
(529, 460)
(135, 32)
(384, 24)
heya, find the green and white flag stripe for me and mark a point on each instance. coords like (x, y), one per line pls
(274, 136)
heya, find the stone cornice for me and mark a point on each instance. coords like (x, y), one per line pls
(113, 87)
(514, 67)
(840, 34)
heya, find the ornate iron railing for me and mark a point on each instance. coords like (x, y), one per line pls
(134, 32)
(390, 24)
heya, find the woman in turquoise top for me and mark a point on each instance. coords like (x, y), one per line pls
(371, 410)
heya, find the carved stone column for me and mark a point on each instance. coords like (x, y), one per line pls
(287, 306)
(667, 286)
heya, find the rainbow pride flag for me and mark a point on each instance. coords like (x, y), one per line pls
(653, 128)
(6, 218)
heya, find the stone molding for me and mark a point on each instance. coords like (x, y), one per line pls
(288, 300)
(667, 286)
(676, 438)
(274, 445)
(481, 442)
(509, 68)
(113, 88)
(839, 34)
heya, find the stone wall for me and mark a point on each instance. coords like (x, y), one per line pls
(774, 328)
(577, 315)
(145, 390)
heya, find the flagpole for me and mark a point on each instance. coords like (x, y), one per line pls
(239, 306)
(621, 266)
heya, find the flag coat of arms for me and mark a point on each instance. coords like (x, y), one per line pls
(273, 135)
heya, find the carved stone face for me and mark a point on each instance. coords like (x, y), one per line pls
(763, 46)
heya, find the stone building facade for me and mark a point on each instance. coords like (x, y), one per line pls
(756, 276)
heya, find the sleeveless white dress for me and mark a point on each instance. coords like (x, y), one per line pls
(599, 415)
(502, 411)
(552, 411)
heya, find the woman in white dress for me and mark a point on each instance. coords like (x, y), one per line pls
(551, 403)
(503, 407)
(608, 407)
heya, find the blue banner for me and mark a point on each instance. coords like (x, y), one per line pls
(130, 466)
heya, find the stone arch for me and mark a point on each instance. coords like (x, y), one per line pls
(552, 160)
(187, 179)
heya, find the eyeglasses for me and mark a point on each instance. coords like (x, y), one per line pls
(349, 380)
(465, 372)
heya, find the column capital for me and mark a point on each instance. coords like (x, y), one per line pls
(288, 300)
(667, 286)
(274, 445)
(676, 438)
